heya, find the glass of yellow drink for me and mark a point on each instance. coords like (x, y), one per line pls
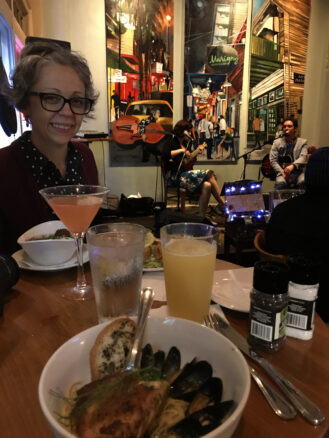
(189, 255)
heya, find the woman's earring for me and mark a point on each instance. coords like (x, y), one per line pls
(27, 121)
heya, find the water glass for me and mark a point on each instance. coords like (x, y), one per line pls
(116, 252)
(189, 254)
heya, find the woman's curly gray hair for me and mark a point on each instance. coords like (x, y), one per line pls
(37, 55)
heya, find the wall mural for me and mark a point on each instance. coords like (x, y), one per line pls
(140, 61)
(139, 35)
(214, 57)
(139, 48)
(278, 57)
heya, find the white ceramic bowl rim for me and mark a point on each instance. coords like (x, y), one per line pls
(221, 338)
(56, 224)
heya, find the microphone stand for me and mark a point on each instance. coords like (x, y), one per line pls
(245, 157)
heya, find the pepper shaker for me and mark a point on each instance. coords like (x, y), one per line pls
(268, 306)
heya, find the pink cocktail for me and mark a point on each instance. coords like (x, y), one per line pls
(76, 206)
(76, 212)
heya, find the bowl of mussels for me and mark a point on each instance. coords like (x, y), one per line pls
(191, 382)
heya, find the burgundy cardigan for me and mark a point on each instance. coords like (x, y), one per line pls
(21, 206)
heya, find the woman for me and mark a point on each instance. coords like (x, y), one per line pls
(179, 162)
(53, 88)
(226, 143)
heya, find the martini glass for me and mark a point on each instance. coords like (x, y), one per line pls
(76, 206)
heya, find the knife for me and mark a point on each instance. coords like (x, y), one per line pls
(304, 405)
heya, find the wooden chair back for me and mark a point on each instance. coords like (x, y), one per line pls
(260, 245)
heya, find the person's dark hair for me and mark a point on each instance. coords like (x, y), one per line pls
(317, 170)
(293, 120)
(37, 55)
(181, 126)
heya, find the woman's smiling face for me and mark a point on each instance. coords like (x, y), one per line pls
(54, 128)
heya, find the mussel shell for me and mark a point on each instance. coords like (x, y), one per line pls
(147, 358)
(159, 358)
(209, 394)
(186, 428)
(172, 363)
(209, 418)
(191, 379)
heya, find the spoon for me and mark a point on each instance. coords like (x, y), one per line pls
(145, 303)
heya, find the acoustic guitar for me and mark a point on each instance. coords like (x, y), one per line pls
(188, 162)
(268, 171)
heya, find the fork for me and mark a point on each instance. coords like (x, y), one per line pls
(280, 406)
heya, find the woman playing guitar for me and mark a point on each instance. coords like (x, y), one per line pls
(179, 170)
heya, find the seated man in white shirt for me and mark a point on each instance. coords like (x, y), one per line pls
(288, 158)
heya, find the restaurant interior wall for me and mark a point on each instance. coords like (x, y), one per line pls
(82, 23)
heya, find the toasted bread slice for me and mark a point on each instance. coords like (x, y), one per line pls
(112, 347)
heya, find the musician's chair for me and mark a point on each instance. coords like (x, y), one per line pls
(178, 194)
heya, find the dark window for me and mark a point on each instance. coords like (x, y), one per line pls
(165, 111)
(145, 110)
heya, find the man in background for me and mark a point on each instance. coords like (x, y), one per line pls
(256, 128)
(288, 158)
(115, 98)
(222, 126)
(202, 128)
(209, 130)
(153, 118)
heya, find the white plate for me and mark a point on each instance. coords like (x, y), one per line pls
(231, 288)
(160, 268)
(25, 262)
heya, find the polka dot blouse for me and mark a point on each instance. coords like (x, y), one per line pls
(44, 171)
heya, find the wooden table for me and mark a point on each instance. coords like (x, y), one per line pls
(36, 321)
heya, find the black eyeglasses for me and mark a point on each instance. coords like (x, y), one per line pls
(55, 102)
(288, 126)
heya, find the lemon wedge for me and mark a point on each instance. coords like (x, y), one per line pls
(149, 239)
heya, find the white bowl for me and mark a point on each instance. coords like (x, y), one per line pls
(47, 252)
(70, 363)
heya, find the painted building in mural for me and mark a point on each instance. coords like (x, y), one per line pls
(139, 50)
(214, 56)
(278, 56)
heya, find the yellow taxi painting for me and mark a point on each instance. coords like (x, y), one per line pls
(142, 109)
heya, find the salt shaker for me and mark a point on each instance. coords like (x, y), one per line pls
(268, 306)
(302, 294)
